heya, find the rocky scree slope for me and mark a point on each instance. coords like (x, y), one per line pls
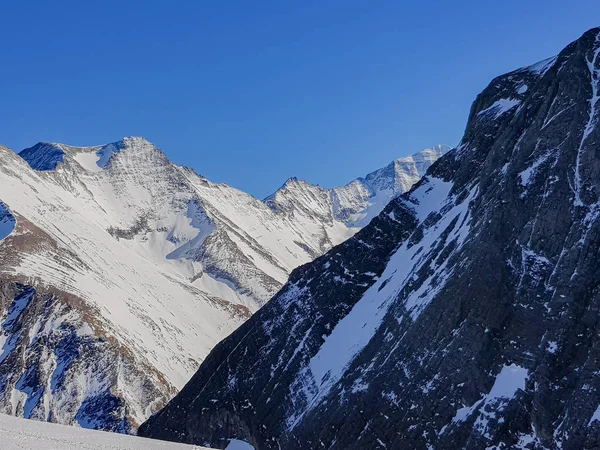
(464, 316)
(119, 271)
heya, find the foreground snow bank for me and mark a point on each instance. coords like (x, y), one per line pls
(18, 434)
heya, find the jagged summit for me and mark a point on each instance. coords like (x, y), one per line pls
(46, 156)
(357, 202)
(402, 173)
(394, 171)
(291, 181)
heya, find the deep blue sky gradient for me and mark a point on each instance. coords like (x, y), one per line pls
(250, 93)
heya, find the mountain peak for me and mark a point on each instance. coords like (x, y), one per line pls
(357, 202)
(46, 156)
(134, 142)
(291, 180)
(291, 183)
(400, 174)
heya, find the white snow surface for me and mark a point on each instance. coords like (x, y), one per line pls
(595, 417)
(23, 434)
(540, 68)
(508, 382)
(499, 107)
(510, 379)
(432, 196)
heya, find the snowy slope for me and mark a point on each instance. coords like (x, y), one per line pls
(21, 434)
(120, 271)
(183, 222)
(177, 219)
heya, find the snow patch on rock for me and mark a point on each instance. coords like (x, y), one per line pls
(540, 68)
(105, 154)
(526, 176)
(499, 107)
(508, 382)
(595, 417)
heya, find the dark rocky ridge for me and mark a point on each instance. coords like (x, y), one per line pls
(492, 338)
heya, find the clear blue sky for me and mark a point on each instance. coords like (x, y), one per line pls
(252, 92)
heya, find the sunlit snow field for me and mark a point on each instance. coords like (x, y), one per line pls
(20, 434)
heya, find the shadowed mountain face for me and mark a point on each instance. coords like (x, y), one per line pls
(464, 316)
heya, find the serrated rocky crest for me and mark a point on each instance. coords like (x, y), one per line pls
(464, 316)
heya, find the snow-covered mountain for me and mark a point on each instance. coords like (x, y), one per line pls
(120, 271)
(465, 315)
(356, 203)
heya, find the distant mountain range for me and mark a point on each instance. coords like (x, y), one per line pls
(356, 203)
(120, 271)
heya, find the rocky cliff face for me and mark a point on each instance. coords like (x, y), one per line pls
(464, 316)
(119, 272)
